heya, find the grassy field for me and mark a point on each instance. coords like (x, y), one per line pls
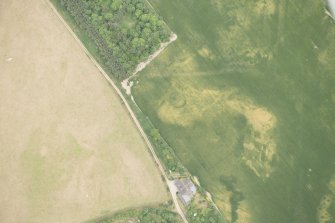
(69, 150)
(246, 97)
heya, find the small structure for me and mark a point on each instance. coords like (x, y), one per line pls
(185, 190)
(331, 8)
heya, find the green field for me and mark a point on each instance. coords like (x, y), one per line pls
(246, 97)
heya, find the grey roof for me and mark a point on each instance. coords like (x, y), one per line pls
(186, 190)
(331, 5)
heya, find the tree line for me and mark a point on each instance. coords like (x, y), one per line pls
(145, 215)
(166, 153)
(125, 32)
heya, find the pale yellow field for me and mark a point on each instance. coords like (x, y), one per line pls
(69, 151)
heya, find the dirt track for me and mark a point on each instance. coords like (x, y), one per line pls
(68, 149)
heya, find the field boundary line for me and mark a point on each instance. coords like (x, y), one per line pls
(170, 184)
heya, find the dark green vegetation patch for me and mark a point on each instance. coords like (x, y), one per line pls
(125, 32)
(146, 215)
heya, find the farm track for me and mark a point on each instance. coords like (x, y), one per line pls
(170, 184)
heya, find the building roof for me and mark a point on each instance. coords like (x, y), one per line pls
(186, 190)
(331, 6)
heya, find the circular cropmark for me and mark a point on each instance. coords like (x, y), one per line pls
(177, 100)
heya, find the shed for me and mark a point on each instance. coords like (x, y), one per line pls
(185, 190)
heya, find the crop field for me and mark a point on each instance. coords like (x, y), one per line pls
(69, 152)
(246, 97)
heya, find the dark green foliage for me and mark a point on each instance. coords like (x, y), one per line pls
(146, 215)
(124, 32)
(204, 215)
(165, 152)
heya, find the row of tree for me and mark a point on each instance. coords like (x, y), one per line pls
(166, 153)
(146, 215)
(125, 32)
